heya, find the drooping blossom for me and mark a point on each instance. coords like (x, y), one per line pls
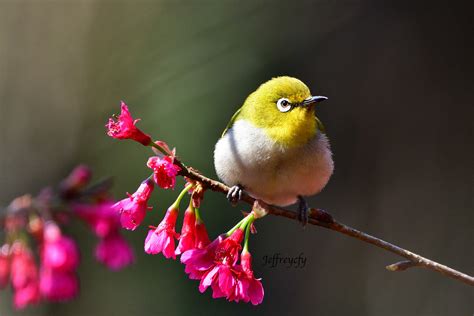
(133, 208)
(27, 295)
(201, 236)
(114, 252)
(162, 238)
(216, 266)
(59, 261)
(58, 251)
(76, 180)
(199, 260)
(4, 266)
(254, 289)
(225, 259)
(124, 127)
(102, 218)
(164, 171)
(187, 238)
(24, 277)
(58, 286)
(204, 264)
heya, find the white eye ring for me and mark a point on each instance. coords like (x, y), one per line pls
(284, 105)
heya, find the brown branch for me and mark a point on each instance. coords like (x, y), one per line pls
(321, 218)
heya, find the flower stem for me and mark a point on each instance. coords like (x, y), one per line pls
(176, 203)
(197, 214)
(241, 224)
(247, 235)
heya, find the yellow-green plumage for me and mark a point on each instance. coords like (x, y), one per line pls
(276, 156)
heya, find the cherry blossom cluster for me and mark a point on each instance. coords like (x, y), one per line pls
(38, 259)
(224, 265)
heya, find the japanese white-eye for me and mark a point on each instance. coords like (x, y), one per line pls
(274, 147)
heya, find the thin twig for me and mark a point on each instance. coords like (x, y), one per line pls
(321, 218)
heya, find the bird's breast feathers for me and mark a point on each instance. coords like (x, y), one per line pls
(271, 171)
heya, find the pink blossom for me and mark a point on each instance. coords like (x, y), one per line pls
(254, 291)
(23, 267)
(187, 238)
(101, 217)
(225, 258)
(77, 179)
(124, 127)
(164, 171)
(162, 239)
(56, 285)
(27, 295)
(133, 209)
(4, 266)
(58, 251)
(199, 260)
(235, 283)
(24, 277)
(216, 266)
(204, 263)
(201, 236)
(114, 252)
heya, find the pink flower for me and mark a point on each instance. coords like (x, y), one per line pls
(199, 260)
(254, 292)
(101, 217)
(187, 238)
(124, 127)
(204, 264)
(24, 277)
(77, 179)
(162, 238)
(133, 209)
(216, 266)
(56, 285)
(164, 171)
(201, 236)
(112, 249)
(58, 251)
(28, 295)
(226, 255)
(114, 252)
(4, 266)
(23, 267)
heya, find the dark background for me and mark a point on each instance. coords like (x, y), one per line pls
(400, 119)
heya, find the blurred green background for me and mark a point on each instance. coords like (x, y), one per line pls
(400, 84)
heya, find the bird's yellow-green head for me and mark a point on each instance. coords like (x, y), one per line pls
(285, 109)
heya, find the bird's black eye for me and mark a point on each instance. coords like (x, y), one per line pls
(284, 105)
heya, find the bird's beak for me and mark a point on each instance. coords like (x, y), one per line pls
(315, 99)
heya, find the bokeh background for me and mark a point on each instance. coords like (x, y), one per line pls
(400, 118)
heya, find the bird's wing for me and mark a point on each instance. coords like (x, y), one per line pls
(231, 122)
(320, 126)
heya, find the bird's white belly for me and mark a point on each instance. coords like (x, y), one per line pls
(276, 174)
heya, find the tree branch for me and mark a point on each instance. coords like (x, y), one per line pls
(321, 218)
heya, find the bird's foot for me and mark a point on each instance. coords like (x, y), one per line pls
(235, 194)
(303, 211)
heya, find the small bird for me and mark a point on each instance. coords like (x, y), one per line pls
(274, 147)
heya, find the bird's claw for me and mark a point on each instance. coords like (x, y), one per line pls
(235, 194)
(303, 211)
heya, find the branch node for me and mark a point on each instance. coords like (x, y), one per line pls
(259, 209)
(401, 266)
